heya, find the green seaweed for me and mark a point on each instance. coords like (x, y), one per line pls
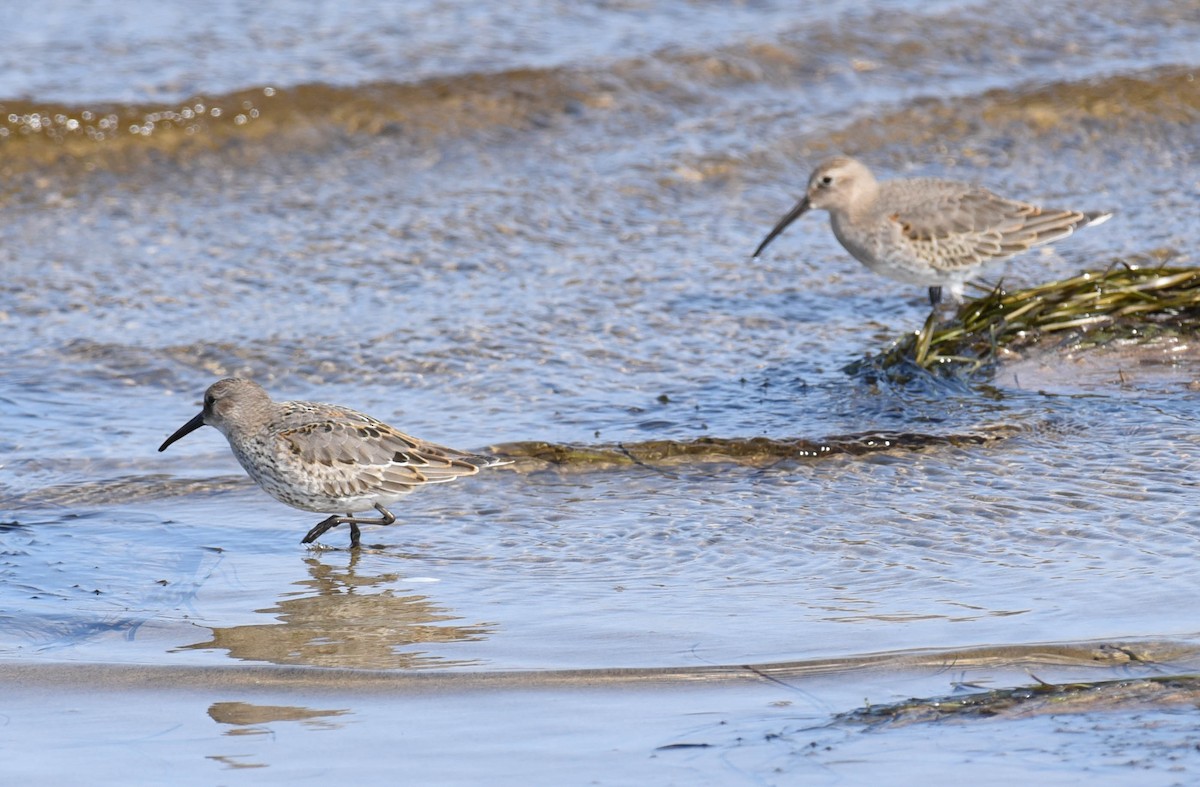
(1128, 301)
(1037, 699)
(735, 450)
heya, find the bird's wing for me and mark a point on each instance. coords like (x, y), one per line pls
(382, 457)
(955, 225)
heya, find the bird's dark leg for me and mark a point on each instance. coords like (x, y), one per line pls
(322, 528)
(935, 296)
(386, 518)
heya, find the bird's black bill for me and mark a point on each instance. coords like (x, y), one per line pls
(183, 431)
(795, 213)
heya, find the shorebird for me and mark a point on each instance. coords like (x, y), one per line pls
(325, 458)
(939, 233)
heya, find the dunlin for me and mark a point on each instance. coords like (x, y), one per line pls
(322, 457)
(939, 233)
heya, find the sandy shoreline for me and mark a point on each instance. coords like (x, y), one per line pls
(1164, 655)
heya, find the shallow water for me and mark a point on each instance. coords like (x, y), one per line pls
(497, 226)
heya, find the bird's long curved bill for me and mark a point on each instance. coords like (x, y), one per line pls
(793, 214)
(184, 430)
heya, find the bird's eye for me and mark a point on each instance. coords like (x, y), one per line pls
(825, 181)
(209, 400)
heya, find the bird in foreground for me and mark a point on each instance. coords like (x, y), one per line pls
(938, 233)
(325, 458)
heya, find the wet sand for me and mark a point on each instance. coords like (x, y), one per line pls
(703, 725)
(530, 230)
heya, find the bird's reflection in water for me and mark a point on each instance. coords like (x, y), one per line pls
(246, 718)
(346, 618)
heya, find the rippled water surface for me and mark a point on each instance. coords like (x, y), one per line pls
(495, 226)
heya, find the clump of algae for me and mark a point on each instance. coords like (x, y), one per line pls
(1036, 700)
(1127, 301)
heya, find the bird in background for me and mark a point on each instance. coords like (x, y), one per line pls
(325, 458)
(939, 233)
